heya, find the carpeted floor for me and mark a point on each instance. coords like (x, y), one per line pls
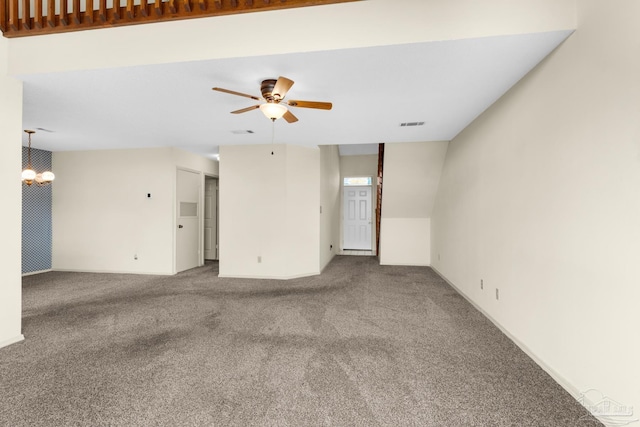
(360, 345)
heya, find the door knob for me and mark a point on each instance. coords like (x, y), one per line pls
(180, 226)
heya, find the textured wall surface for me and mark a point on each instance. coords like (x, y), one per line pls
(36, 216)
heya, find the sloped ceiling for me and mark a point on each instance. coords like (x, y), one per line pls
(443, 84)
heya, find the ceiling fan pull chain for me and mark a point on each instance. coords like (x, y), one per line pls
(273, 134)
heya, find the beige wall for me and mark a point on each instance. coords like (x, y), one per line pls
(359, 165)
(330, 203)
(102, 217)
(269, 209)
(10, 191)
(539, 197)
(410, 182)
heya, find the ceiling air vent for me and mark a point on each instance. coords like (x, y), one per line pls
(241, 132)
(407, 124)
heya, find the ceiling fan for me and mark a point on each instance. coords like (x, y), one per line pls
(273, 92)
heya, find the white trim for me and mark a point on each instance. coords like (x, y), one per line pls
(409, 265)
(36, 272)
(12, 341)
(573, 391)
(149, 273)
(295, 276)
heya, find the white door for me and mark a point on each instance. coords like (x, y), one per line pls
(210, 218)
(357, 218)
(187, 220)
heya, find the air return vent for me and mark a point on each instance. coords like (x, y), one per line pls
(408, 124)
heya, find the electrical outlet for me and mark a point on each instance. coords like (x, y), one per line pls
(481, 284)
(497, 294)
(259, 259)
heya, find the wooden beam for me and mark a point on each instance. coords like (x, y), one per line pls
(202, 4)
(102, 11)
(51, 14)
(218, 4)
(26, 14)
(13, 15)
(248, 3)
(234, 3)
(88, 11)
(187, 5)
(75, 13)
(144, 7)
(37, 14)
(130, 13)
(3, 16)
(64, 19)
(116, 9)
(172, 6)
(158, 7)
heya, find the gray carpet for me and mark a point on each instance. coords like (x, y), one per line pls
(361, 345)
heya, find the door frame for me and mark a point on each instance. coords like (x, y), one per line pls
(217, 178)
(374, 199)
(200, 214)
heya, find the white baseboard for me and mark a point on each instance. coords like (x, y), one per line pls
(11, 341)
(146, 273)
(570, 388)
(402, 264)
(36, 272)
(295, 276)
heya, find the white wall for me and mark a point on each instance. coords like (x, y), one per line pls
(102, 217)
(11, 193)
(539, 197)
(269, 208)
(330, 202)
(354, 166)
(356, 24)
(409, 185)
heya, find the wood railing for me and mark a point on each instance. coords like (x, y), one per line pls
(34, 17)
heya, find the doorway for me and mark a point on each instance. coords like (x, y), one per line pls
(357, 215)
(210, 218)
(187, 220)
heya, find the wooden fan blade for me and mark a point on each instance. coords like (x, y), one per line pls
(311, 104)
(244, 110)
(232, 92)
(282, 87)
(289, 117)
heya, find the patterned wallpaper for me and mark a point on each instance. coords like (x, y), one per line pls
(36, 216)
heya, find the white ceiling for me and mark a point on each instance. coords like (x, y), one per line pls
(444, 84)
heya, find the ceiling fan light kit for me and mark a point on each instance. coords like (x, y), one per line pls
(273, 111)
(29, 176)
(273, 92)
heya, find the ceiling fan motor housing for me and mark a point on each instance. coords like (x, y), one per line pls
(267, 91)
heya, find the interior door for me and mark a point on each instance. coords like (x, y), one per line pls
(210, 218)
(357, 218)
(187, 220)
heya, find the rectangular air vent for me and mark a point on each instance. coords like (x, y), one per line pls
(407, 124)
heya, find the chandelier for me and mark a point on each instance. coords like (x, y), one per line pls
(29, 176)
